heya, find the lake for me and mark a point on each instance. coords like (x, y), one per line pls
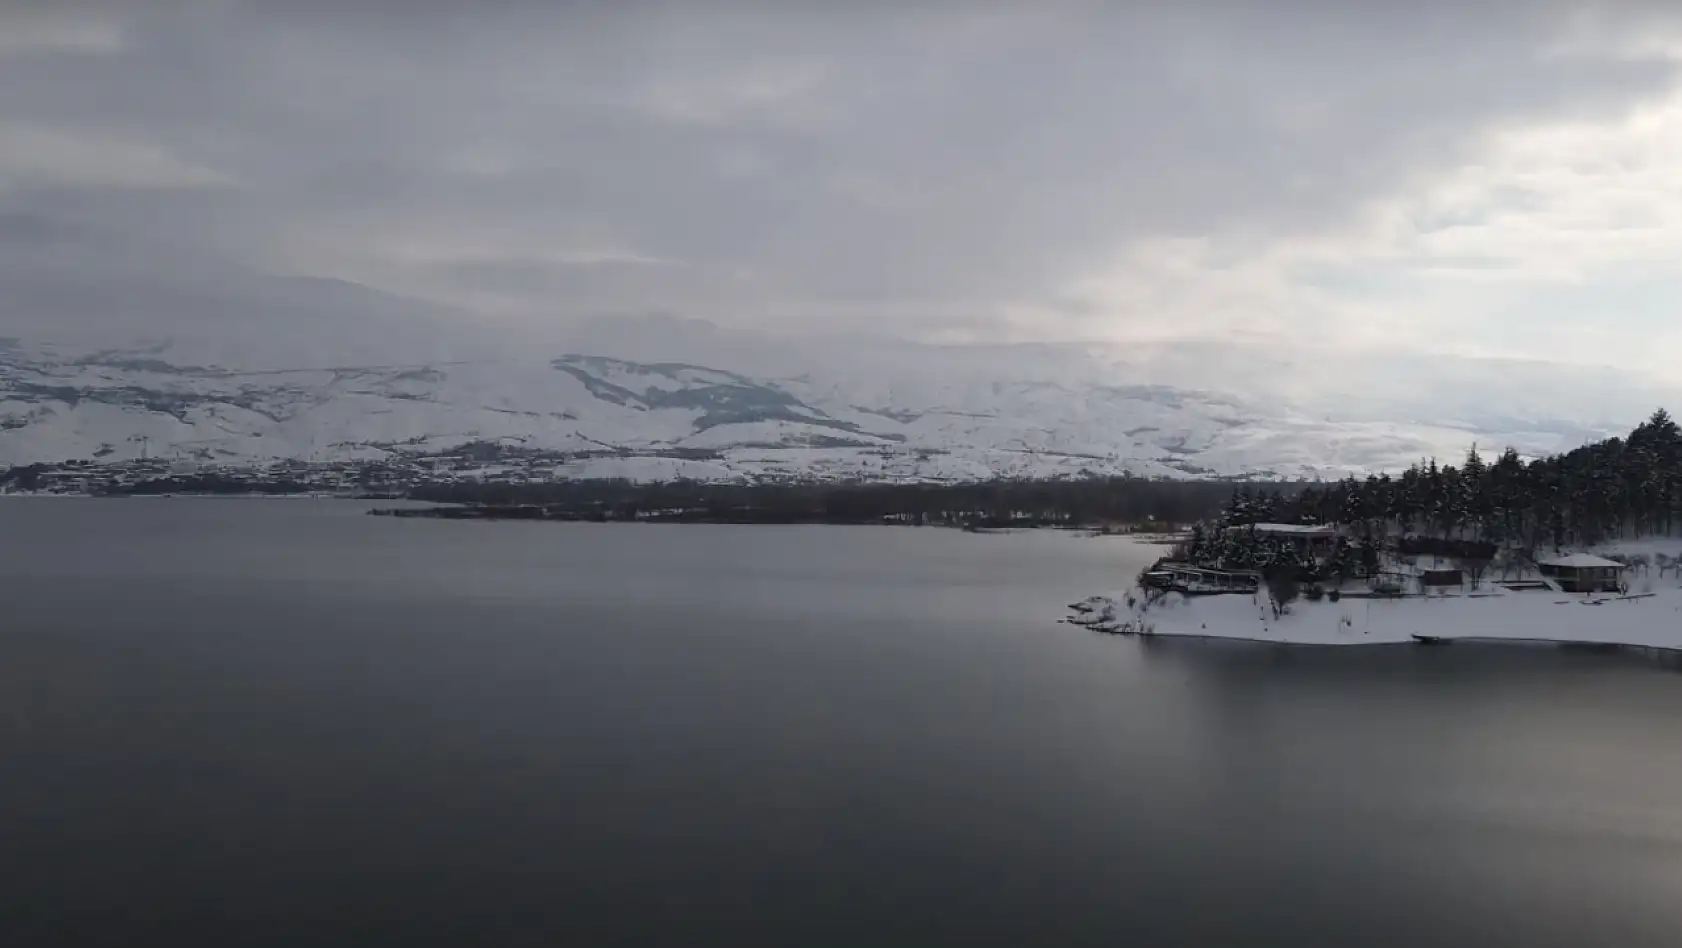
(284, 722)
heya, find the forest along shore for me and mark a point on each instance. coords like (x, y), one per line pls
(1102, 505)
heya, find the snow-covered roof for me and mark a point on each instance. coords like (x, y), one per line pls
(1297, 529)
(1581, 561)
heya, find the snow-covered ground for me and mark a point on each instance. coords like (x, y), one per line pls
(1648, 615)
(1639, 619)
(886, 419)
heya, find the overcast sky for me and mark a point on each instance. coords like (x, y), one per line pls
(1493, 178)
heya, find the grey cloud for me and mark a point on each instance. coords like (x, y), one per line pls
(897, 167)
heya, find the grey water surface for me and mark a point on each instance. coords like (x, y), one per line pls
(283, 722)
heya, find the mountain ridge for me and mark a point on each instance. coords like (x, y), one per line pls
(680, 419)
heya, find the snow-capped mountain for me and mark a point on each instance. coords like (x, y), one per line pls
(933, 416)
(158, 351)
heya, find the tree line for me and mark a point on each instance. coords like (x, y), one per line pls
(1611, 489)
(984, 504)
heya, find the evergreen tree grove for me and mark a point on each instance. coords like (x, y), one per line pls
(1620, 487)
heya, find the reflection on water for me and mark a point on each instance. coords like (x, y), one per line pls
(280, 722)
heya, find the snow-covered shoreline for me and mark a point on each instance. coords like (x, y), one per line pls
(1648, 616)
(1646, 620)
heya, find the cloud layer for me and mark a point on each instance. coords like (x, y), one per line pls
(1485, 179)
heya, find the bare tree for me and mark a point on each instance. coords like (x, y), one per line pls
(1475, 568)
(1282, 587)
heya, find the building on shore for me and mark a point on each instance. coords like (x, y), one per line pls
(1583, 572)
(1312, 539)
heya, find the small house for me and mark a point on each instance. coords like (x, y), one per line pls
(1315, 539)
(1584, 572)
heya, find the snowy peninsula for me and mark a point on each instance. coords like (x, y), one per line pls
(1517, 612)
(1582, 548)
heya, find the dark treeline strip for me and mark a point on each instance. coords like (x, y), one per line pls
(1085, 502)
(1612, 489)
(23, 477)
(208, 484)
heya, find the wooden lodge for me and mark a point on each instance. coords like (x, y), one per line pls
(1314, 539)
(1584, 573)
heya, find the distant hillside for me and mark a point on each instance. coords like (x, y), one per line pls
(894, 419)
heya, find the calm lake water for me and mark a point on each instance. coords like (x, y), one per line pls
(284, 722)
